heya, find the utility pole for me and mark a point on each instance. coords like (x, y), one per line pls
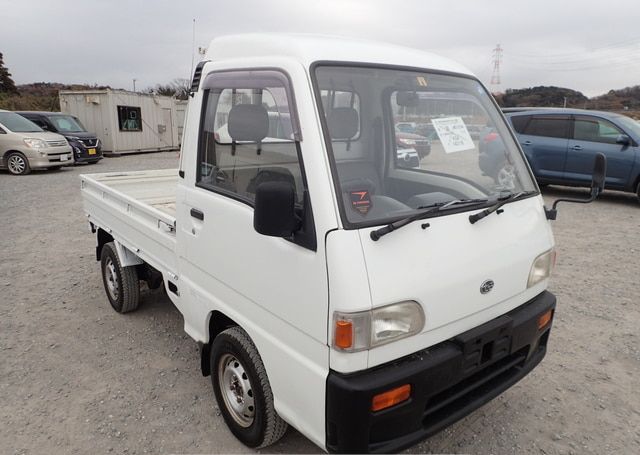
(496, 60)
(134, 85)
(565, 102)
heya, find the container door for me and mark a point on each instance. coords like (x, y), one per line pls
(167, 134)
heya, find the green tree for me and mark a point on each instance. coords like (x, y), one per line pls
(6, 83)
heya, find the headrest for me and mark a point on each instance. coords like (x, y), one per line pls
(248, 122)
(343, 123)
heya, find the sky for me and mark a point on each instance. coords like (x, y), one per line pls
(588, 46)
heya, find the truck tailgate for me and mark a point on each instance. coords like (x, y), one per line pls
(138, 209)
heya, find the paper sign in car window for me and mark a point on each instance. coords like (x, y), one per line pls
(453, 134)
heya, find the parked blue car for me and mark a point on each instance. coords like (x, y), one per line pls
(561, 145)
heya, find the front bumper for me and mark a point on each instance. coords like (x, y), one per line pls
(53, 158)
(448, 381)
(86, 154)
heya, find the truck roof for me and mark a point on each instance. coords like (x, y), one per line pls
(308, 48)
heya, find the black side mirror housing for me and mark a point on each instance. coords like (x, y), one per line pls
(597, 186)
(623, 139)
(274, 212)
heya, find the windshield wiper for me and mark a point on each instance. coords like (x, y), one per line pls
(426, 210)
(497, 207)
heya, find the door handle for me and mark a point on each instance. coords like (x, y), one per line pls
(576, 147)
(197, 214)
(527, 143)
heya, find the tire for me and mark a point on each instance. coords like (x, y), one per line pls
(638, 191)
(120, 283)
(235, 362)
(18, 164)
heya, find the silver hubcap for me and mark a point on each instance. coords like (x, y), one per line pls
(16, 164)
(507, 177)
(111, 279)
(236, 390)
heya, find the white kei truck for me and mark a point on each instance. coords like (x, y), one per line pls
(332, 287)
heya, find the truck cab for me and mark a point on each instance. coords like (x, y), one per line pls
(333, 287)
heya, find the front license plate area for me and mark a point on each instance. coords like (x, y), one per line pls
(485, 344)
(63, 157)
(92, 151)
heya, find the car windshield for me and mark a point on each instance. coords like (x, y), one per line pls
(18, 124)
(66, 124)
(458, 149)
(629, 124)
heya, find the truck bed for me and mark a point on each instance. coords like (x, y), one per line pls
(138, 209)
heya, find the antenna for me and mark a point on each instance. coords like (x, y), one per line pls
(193, 49)
(496, 59)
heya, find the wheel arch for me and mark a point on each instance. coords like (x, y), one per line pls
(218, 322)
(102, 237)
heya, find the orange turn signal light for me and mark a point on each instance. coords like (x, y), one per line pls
(545, 319)
(344, 334)
(391, 397)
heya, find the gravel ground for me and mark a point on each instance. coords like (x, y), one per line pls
(75, 377)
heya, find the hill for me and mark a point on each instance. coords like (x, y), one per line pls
(39, 96)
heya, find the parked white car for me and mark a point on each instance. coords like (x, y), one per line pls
(25, 146)
(365, 303)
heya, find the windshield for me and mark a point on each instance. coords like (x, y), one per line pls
(629, 124)
(18, 124)
(401, 140)
(66, 124)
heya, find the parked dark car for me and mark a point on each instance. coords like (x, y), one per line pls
(561, 145)
(421, 144)
(86, 146)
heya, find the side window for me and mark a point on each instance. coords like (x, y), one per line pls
(595, 130)
(129, 118)
(249, 134)
(520, 122)
(38, 121)
(548, 126)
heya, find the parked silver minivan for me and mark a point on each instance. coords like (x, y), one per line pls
(25, 146)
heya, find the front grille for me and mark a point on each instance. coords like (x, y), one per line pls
(57, 143)
(89, 142)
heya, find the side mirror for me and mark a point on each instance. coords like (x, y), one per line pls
(274, 211)
(623, 139)
(597, 186)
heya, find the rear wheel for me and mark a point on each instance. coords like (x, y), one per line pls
(638, 191)
(242, 390)
(120, 283)
(18, 164)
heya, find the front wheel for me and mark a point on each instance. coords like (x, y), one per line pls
(242, 390)
(18, 164)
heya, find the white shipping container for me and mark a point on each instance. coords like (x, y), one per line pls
(127, 122)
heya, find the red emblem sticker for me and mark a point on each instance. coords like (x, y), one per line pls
(361, 201)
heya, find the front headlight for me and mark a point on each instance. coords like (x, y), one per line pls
(367, 329)
(35, 143)
(407, 141)
(542, 268)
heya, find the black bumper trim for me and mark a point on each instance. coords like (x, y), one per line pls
(448, 380)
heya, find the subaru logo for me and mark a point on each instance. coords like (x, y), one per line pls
(486, 287)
